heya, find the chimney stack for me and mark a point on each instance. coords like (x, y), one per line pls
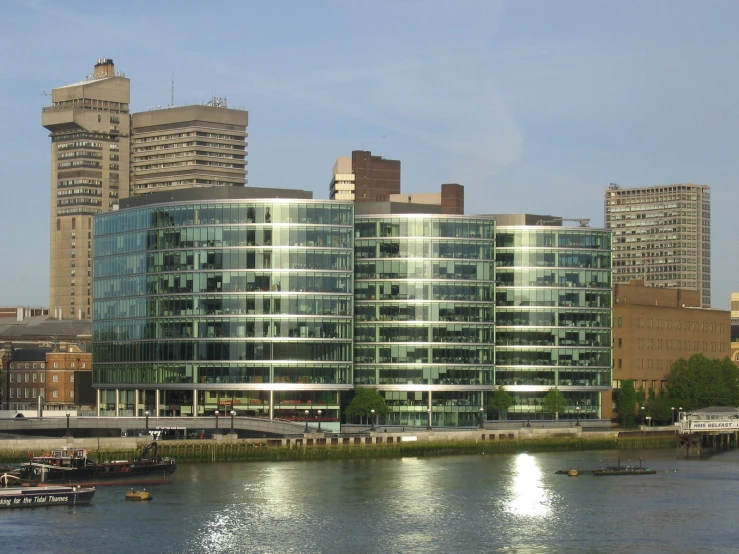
(104, 68)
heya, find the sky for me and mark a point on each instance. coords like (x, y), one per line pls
(534, 106)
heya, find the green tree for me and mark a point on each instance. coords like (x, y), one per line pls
(659, 408)
(554, 402)
(641, 396)
(626, 402)
(500, 401)
(365, 400)
(700, 382)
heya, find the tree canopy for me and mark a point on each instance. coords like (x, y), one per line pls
(500, 401)
(659, 407)
(365, 400)
(626, 403)
(700, 382)
(554, 402)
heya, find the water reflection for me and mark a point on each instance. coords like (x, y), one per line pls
(528, 495)
(469, 504)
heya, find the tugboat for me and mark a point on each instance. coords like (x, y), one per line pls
(69, 465)
(36, 497)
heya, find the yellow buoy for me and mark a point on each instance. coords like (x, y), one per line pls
(573, 473)
(138, 495)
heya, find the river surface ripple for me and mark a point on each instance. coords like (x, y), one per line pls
(487, 503)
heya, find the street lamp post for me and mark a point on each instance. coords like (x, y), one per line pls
(482, 418)
(67, 434)
(649, 421)
(577, 416)
(217, 413)
(146, 415)
(306, 421)
(428, 423)
(232, 421)
(319, 421)
(673, 415)
(372, 420)
(642, 415)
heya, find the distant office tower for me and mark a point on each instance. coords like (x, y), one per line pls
(734, 307)
(662, 235)
(363, 177)
(188, 146)
(89, 124)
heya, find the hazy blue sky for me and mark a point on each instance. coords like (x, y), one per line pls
(534, 106)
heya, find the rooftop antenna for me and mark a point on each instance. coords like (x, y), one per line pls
(171, 88)
(45, 93)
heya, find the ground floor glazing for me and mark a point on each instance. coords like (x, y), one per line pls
(439, 408)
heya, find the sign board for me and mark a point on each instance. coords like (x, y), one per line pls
(408, 439)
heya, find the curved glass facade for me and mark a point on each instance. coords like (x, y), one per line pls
(220, 305)
(553, 314)
(425, 315)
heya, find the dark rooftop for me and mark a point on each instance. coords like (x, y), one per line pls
(717, 410)
(30, 354)
(213, 193)
(47, 328)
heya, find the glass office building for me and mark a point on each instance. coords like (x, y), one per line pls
(216, 301)
(553, 314)
(425, 315)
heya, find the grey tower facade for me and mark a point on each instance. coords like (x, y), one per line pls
(662, 235)
(189, 146)
(89, 126)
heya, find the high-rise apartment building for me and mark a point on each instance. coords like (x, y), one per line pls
(363, 177)
(92, 139)
(189, 146)
(89, 126)
(662, 235)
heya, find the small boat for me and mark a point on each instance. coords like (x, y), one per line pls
(36, 497)
(625, 471)
(618, 469)
(138, 495)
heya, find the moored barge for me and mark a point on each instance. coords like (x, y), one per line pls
(73, 465)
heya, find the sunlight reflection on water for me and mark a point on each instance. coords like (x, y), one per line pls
(529, 497)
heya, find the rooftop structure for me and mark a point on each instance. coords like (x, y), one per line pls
(363, 177)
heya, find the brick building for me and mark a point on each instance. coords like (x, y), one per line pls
(654, 327)
(60, 378)
(65, 370)
(24, 370)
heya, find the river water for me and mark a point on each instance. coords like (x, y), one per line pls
(486, 503)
